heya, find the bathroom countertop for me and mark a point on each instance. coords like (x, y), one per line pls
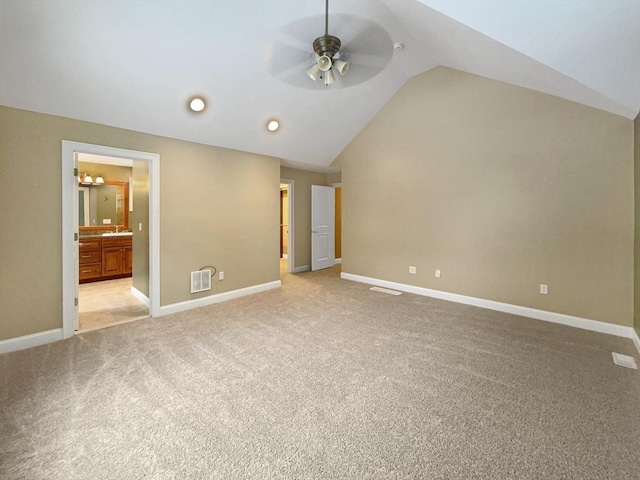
(87, 236)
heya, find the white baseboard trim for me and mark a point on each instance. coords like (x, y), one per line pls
(302, 268)
(636, 339)
(217, 298)
(140, 296)
(28, 341)
(338, 260)
(578, 322)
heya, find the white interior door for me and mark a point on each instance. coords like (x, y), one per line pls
(322, 227)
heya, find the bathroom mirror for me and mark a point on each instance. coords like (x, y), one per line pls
(103, 207)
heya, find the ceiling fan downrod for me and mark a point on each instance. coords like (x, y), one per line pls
(326, 48)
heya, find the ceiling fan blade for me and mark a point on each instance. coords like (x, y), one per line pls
(364, 59)
(365, 45)
(301, 33)
(364, 37)
(280, 58)
(291, 49)
(359, 74)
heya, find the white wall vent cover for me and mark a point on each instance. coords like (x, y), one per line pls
(624, 360)
(201, 280)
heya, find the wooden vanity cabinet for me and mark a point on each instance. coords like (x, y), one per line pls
(117, 256)
(90, 259)
(105, 258)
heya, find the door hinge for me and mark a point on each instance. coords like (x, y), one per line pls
(75, 172)
(75, 237)
(75, 302)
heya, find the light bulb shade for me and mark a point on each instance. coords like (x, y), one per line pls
(341, 66)
(324, 63)
(87, 179)
(329, 78)
(313, 72)
(99, 180)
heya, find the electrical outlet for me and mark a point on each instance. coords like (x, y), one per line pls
(220, 275)
(412, 270)
(544, 289)
(437, 273)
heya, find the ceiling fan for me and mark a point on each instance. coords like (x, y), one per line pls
(357, 45)
(327, 50)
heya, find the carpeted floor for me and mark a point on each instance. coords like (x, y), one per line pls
(323, 379)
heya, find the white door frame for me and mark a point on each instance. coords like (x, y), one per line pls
(70, 226)
(290, 235)
(334, 185)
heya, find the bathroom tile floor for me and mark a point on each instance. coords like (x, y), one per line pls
(106, 303)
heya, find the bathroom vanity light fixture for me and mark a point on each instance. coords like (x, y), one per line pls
(86, 179)
(197, 104)
(273, 125)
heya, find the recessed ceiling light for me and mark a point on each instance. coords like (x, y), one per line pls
(197, 104)
(273, 125)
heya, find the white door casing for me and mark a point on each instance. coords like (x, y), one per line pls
(322, 227)
(70, 226)
(76, 254)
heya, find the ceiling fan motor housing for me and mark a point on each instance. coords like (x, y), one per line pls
(326, 45)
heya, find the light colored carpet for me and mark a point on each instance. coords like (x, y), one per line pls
(323, 379)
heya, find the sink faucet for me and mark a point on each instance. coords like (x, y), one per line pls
(117, 227)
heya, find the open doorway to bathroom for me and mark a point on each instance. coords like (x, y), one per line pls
(108, 189)
(286, 226)
(146, 265)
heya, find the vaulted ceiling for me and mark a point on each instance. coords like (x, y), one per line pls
(135, 64)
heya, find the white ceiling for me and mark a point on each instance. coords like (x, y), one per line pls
(134, 64)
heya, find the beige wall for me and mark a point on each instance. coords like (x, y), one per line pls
(198, 226)
(333, 178)
(501, 188)
(140, 215)
(302, 210)
(636, 288)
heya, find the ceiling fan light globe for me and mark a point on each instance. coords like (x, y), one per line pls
(341, 66)
(329, 78)
(324, 63)
(313, 72)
